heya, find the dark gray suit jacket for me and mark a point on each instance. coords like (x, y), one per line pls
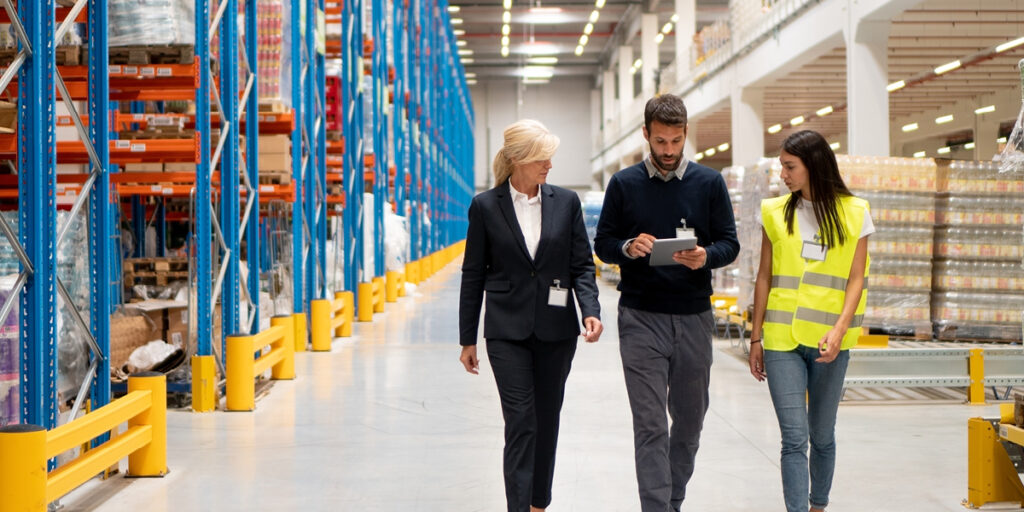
(517, 286)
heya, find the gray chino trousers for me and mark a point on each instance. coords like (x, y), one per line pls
(667, 363)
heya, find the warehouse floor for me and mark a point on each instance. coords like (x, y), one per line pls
(389, 421)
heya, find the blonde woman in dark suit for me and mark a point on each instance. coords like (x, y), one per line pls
(527, 247)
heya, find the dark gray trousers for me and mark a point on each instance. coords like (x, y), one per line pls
(667, 363)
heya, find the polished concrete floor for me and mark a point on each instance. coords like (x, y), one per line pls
(388, 421)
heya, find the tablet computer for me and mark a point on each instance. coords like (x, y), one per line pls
(663, 249)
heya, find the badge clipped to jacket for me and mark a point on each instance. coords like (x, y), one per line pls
(558, 296)
(814, 251)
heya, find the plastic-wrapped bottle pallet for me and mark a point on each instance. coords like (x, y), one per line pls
(759, 182)
(274, 51)
(978, 279)
(901, 192)
(151, 22)
(725, 280)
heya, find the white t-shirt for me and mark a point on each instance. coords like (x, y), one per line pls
(809, 225)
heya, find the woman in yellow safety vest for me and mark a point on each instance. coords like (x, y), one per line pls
(808, 307)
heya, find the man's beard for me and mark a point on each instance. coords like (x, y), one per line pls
(661, 164)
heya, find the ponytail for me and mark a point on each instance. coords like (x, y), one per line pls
(502, 168)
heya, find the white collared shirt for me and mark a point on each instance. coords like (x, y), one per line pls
(652, 170)
(528, 215)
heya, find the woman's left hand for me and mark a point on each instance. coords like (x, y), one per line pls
(594, 329)
(830, 344)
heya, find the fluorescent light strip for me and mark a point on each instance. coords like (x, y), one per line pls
(723, 146)
(460, 42)
(504, 40)
(985, 110)
(588, 29)
(453, 8)
(910, 127)
(507, 4)
(505, 29)
(583, 39)
(895, 86)
(659, 38)
(675, 18)
(1011, 44)
(698, 157)
(470, 75)
(456, 21)
(459, 32)
(599, 4)
(944, 119)
(466, 51)
(466, 60)
(594, 15)
(638, 63)
(920, 154)
(822, 112)
(666, 28)
(506, 17)
(944, 150)
(504, 51)
(947, 67)
(797, 121)
(775, 128)
(1001, 140)
(542, 60)
(710, 152)
(579, 50)
(834, 146)
(969, 145)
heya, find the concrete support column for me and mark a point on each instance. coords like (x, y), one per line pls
(609, 110)
(648, 53)
(625, 82)
(690, 148)
(686, 27)
(986, 131)
(748, 126)
(866, 77)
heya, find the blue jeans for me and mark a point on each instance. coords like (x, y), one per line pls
(806, 397)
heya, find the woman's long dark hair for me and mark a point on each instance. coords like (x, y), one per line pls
(826, 185)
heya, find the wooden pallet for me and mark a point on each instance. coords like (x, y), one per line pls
(163, 132)
(153, 278)
(275, 177)
(334, 135)
(66, 55)
(273, 107)
(157, 265)
(155, 54)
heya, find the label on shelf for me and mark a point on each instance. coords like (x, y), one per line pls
(156, 188)
(167, 191)
(138, 148)
(164, 72)
(114, 70)
(149, 71)
(131, 70)
(266, 188)
(122, 144)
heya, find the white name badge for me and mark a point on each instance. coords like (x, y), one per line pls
(813, 251)
(557, 296)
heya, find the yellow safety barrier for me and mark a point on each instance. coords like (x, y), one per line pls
(400, 284)
(331, 318)
(991, 475)
(25, 484)
(393, 284)
(412, 272)
(243, 367)
(204, 383)
(299, 334)
(378, 294)
(365, 297)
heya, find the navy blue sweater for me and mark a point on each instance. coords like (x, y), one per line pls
(635, 203)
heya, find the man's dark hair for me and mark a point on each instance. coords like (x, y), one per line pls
(667, 109)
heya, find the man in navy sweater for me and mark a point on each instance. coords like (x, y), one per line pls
(665, 317)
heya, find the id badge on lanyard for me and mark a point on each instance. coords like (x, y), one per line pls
(814, 251)
(558, 296)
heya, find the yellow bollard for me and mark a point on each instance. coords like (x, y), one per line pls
(23, 468)
(150, 460)
(365, 310)
(204, 383)
(320, 311)
(349, 311)
(241, 374)
(378, 295)
(976, 369)
(391, 286)
(412, 272)
(285, 370)
(300, 339)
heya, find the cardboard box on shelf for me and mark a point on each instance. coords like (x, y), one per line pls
(143, 167)
(180, 167)
(275, 144)
(277, 162)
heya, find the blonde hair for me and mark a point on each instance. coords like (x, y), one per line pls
(526, 141)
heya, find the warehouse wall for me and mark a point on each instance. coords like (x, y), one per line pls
(563, 105)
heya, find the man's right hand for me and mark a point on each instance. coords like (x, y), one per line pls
(642, 245)
(469, 360)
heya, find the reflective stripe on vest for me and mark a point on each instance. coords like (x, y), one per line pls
(825, 281)
(778, 317)
(787, 282)
(823, 317)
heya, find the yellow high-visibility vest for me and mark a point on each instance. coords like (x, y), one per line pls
(807, 296)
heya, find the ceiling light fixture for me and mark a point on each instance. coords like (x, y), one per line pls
(471, 82)
(698, 157)
(969, 145)
(775, 128)
(506, 17)
(507, 4)
(796, 121)
(588, 29)
(505, 30)
(667, 28)
(504, 51)
(723, 146)
(466, 60)
(985, 110)
(910, 127)
(453, 8)
(834, 146)
(459, 32)
(943, 150)
(675, 18)
(1001, 140)
(638, 63)
(710, 152)
(460, 42)
(920, 154)
(1011, 44)
(599, 4)
(504, 40)
(542, 60)
(535, 81)
(659, 38)
(537, 72)
(594, 15)
(465, 51)
(822, 112)
(583, 40)
(944, 119)
(579, 50)
(947, 67)
(470, 75)
(545, 10)
(632, 71)
(456, 21)
(895, 86)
